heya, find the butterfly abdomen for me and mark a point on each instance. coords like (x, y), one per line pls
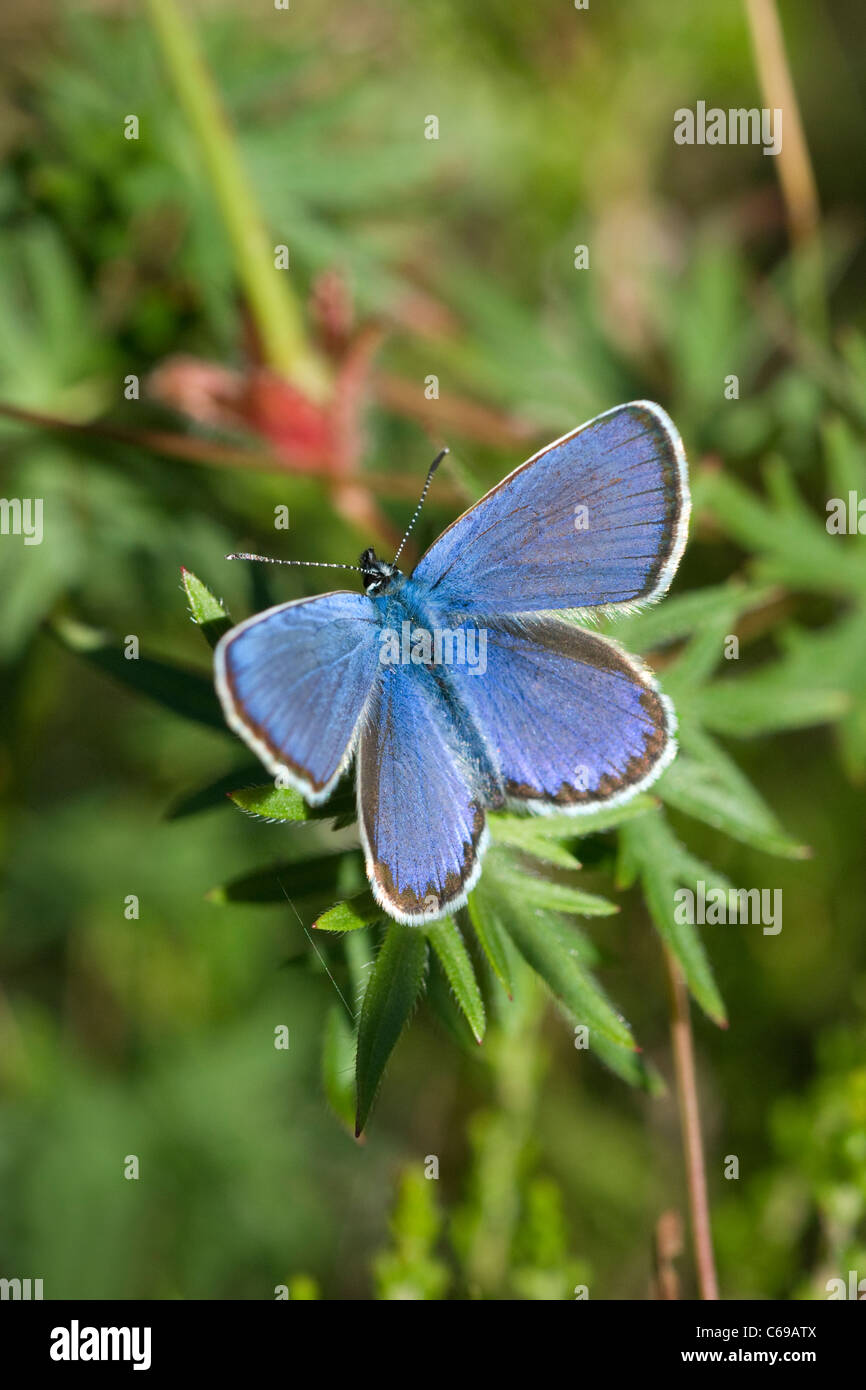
(415, 633)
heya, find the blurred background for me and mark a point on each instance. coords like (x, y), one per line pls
(289, 300)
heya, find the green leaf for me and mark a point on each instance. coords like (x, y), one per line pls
(483, 911)
(439, 998)
(360, 954)
(285, 804)
(391, 995)
(206, 610)
(546, 893)
(544, 942)
(766, 702)
(351, 915)
(687, 614)
(713, 789)
(183, 692)
(628, 1065)
(559, 826)
(846, 468)
(326, 874)
(663, 865)
(698, 659)
(450, 947)
(834, 659)
(793, 545)
(213, 794)
(520, 832)
(338, 1065)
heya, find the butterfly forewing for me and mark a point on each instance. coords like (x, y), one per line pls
(597, 519)
(294, 682)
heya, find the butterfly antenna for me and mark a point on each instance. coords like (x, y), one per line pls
(318, 564)
(425, 489)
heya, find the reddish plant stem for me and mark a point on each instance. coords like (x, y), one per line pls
(194, 449)
(690, 1123)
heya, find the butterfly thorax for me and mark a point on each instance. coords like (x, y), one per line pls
(399, 599)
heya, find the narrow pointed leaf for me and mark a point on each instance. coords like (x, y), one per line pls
(358, 948)
(698, 660)
(797, 550)
(183, 692)
(520, 833)
(324, 874)
(846, 466)
(663, 865)
(439, 998)
(285, 804)
(390, 997)
(766, 702)
(554, 896)
(560, 826)
(213, 794)
(205, 608)
(482, 909)
(686, 614)
(450, 947)
(338, 1065)
(628, 1065)
(715, 791)
(543, 941)
(351, 915)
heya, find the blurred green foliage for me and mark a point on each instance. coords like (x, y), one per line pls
(153, 1034)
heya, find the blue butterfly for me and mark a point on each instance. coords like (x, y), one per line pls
(465, 686)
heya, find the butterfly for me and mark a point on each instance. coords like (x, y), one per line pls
(467, 685)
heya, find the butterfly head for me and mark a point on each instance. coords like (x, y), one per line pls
(377, 575)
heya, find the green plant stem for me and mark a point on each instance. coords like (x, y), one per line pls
(690, 1124)
(275, 311)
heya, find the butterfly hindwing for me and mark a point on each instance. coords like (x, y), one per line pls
(294, 682)
(597, 519)
(572, 721)
(422, 825)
